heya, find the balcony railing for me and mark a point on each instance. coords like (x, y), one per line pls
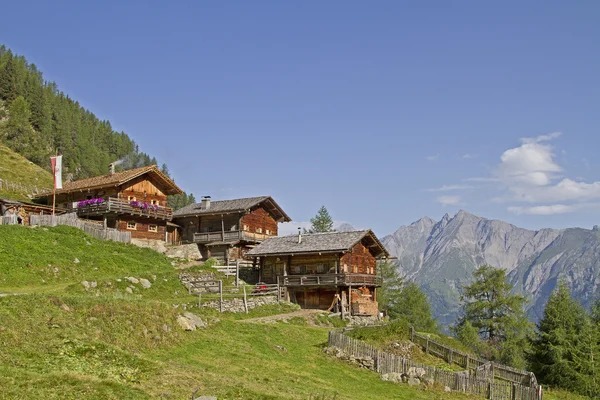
(118, 206)
(228, 236)
(330, 280)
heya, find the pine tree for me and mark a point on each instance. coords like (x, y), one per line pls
(388, 296)
(321, 222)
(413, 307)
(164, 169)
(468, 335)
(553, 355)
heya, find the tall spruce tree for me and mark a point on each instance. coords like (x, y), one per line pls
(554, 354)
(388, 296)
(413, 307)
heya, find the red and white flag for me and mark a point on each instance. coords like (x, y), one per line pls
(57, 171)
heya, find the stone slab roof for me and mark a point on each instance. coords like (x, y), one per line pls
(235, 205)
(330, 242)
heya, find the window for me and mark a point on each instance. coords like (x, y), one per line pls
(154, 202)
(258, 230)
(246, 227)
(130, 198)
(131, 225)
(152, 228)
(268, 231)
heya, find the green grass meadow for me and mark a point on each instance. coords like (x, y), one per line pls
(61, 341)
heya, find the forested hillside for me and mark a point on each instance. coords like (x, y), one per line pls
(38, 120)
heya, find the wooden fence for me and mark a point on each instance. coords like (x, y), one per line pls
(91, 228)
(215, 289)
(9, 220)
(19, 187)
(467, 361)
(386, 363)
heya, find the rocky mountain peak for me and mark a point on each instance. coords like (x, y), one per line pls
(441, 256)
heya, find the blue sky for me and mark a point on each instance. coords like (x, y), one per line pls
(382, 111)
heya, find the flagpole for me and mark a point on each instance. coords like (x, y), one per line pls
(54, 186)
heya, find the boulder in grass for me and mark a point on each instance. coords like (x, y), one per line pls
(145, 283)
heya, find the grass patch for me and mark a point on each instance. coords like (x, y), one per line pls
(333, 322)
(58, 255)
(15, 168)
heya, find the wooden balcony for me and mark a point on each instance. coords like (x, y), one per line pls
(118, 206)
(330, 280)
(229, 236)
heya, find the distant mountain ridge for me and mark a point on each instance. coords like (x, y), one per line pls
(442, 255)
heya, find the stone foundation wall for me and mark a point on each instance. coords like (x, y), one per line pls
(237, 305)
(186, 251)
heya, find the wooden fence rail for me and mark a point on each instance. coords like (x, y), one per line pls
(91, 228)
(467, 361)
(9, 220)
(386, 363)
(9, 186)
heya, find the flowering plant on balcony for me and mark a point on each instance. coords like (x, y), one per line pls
(143, 205)
(90, 202)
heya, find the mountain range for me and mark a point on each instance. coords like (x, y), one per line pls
(441, 256)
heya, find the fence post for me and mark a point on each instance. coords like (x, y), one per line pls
(278, 290)
(220, 296)
(237, 273)
(513, 395)
(450, 357)
(489, 396)
(467, 367)
(412, 333)
(427, 346)
(245, 302)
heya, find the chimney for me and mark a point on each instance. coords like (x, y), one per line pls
(205, 203)
(299, 236)
(111, 167)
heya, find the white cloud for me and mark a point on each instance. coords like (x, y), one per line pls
(532, 163)
(450, 200)
(432, 158)
(543, 210)
(482, 179)
(530, 174)
(447, 188)
(469, 156)
(586, 163)
(542, 138)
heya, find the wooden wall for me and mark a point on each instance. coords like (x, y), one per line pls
(313, 264)
(313, 298)
(143, 189)
(66, 200)
(359, 261)
(212, 223)
(141, 229)
(260, 218)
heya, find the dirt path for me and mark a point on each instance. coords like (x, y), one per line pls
(306, 314)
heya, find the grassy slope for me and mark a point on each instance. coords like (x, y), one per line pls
(107, 344)
(17, 169)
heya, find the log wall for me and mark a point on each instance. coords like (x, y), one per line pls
(359, 261)
(260, 219)
(141, 230)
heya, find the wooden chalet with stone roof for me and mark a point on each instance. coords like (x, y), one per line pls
(133, 201)
(333, 270)
(227, 229)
